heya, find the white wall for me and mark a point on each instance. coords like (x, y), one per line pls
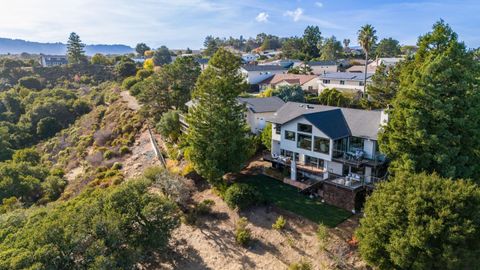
(256, 121)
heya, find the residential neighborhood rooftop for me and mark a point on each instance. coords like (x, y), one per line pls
(263, 67)
(353, 76)
(260, 105)
(290, 78)
(322, 63)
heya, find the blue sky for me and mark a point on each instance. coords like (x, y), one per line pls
(182, 23)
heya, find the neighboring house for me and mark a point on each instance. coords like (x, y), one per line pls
(361, 69)
(372, 65)
(332, 152)
(203, 62)
(286, 63)
(308, 83)
(138, 60)
(254, 74)
(343, 81)
(249, 57)
(322, 67)
(257, 111)
(53, 60)
(260, 109)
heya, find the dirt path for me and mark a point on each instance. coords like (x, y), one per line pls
(131, 101)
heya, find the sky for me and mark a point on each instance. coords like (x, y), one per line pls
(185, 23)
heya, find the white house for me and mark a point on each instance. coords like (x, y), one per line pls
(249, 57)
(329, 145)
(343, 81)
(309, 83)
(257, 73)
(53, 60)
(322, 67)
(260, 109)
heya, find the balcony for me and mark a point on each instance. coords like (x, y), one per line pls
(358, 158)
(353, 181)
(286, 161)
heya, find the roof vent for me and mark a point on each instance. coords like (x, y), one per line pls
(310, 107)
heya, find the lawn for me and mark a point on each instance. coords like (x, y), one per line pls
(288, 198)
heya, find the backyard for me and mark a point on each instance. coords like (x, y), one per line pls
(288, 198)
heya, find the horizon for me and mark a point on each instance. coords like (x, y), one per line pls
(156, 23)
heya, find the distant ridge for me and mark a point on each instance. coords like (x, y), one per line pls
(17, 46)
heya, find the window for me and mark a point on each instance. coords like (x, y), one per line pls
(326, 81)
(321, 145)
(361, 83)
(278, 129)
(315, 162)
(289, 135)
(356, 143)
(304, 128)
(304, 141)
(342, 82)
(310, 88)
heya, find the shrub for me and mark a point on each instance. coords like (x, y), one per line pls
(279, 223)
(169, 126)
(241, 196)
(242, 233)
(143, 74)
(30, 82)
(129, 82)
(124, 150)
(136, 89)
(108, 154)
(117, 166)
(322, 235)
(301, 265)
(205, 207)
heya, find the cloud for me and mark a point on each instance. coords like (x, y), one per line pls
(319, 4)
(262, 17)
(295, 14)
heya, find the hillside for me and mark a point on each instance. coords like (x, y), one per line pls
(17, 46)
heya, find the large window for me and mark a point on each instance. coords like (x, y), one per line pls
(289, 135)
(304, 141)
(356, 143)
(304, 128)
(278, 128)
(342, 82)
(326, 81)
(315, 162)
(321, 145)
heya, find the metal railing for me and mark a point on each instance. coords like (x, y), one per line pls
(356, 157)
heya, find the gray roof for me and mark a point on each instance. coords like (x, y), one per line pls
(261, 105)
(352, 76)
(361, 123)
(262, 67)
(202, 61)
(322, 63)
(332, 123)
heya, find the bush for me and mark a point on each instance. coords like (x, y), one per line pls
(143, 74)
(117, 166)
(124, 150)
(242, 233)
(136, 89)
(279, 223)
(205, 207)
(108, 154)
(30, 82)
(241, 196)
(169, 126)
(129, 82)
(322, 235)
(301, 265)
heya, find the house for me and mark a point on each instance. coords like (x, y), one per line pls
(249, 57)
(372, 65)
(257, 110)
(322, 67)
(260, 109)
(331, 151)
(254, 74)
(308, 83)
(203, 62)
(343, 81)
(53, 60)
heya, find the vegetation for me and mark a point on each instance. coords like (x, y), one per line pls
(241, 196)
(125, 67)
(287, 93)
(433, 125)
(287, 197)
(217, 135)
(301, 265)
(388, 47)
(141, 48)
(113, 228)
(162, 56)
(367, 38)
(322, 235)
(243, 235)
(169, 126)
(266, 136)
(279, 223)
(75, 50)
(333, 97)
(422, 222)
(384, 86)
(331, 49)
(312, 38)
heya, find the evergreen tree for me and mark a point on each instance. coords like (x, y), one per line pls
(434, 125)
(141, 48)
(217, 133)
(312, 38)
(384, 86)
(75, 49)
(422, 222)
(331, 49)
(388, 47)
(162, 56)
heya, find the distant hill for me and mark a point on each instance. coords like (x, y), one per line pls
(17, 46)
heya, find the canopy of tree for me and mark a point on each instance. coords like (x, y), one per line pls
(162, 56)
(388, 47)
(288, 93)
(75, 49)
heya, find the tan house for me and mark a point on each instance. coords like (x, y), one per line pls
(307, 82)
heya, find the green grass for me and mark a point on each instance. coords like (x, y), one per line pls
(287, 197)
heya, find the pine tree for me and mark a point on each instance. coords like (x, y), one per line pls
(75, 49)
(217, 134)
(384, 86)
(434, 124)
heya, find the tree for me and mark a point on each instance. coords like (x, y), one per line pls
(126, 67)
(217, 134)
(302, 69)
(312, 38)
(366, 39)
(388, 47)
(346, 43)
(422, 222)
(290, 93)
(30, 82)
(434, 121)
(211, 45)
(141, 48)
(266, 136)
(47, 127)
(293, 48)
(75, 49)
(100, 59)
(149, 64)
(183, 74)
(162, 56)
(384, 86)
(188, 51)
(331, 49)
(333, 97)
(169, 126)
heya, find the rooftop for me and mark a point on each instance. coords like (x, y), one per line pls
(291, 78)
(260, 105)
(360, 123)
(263, 67)
(322, 63)
(352, 76)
